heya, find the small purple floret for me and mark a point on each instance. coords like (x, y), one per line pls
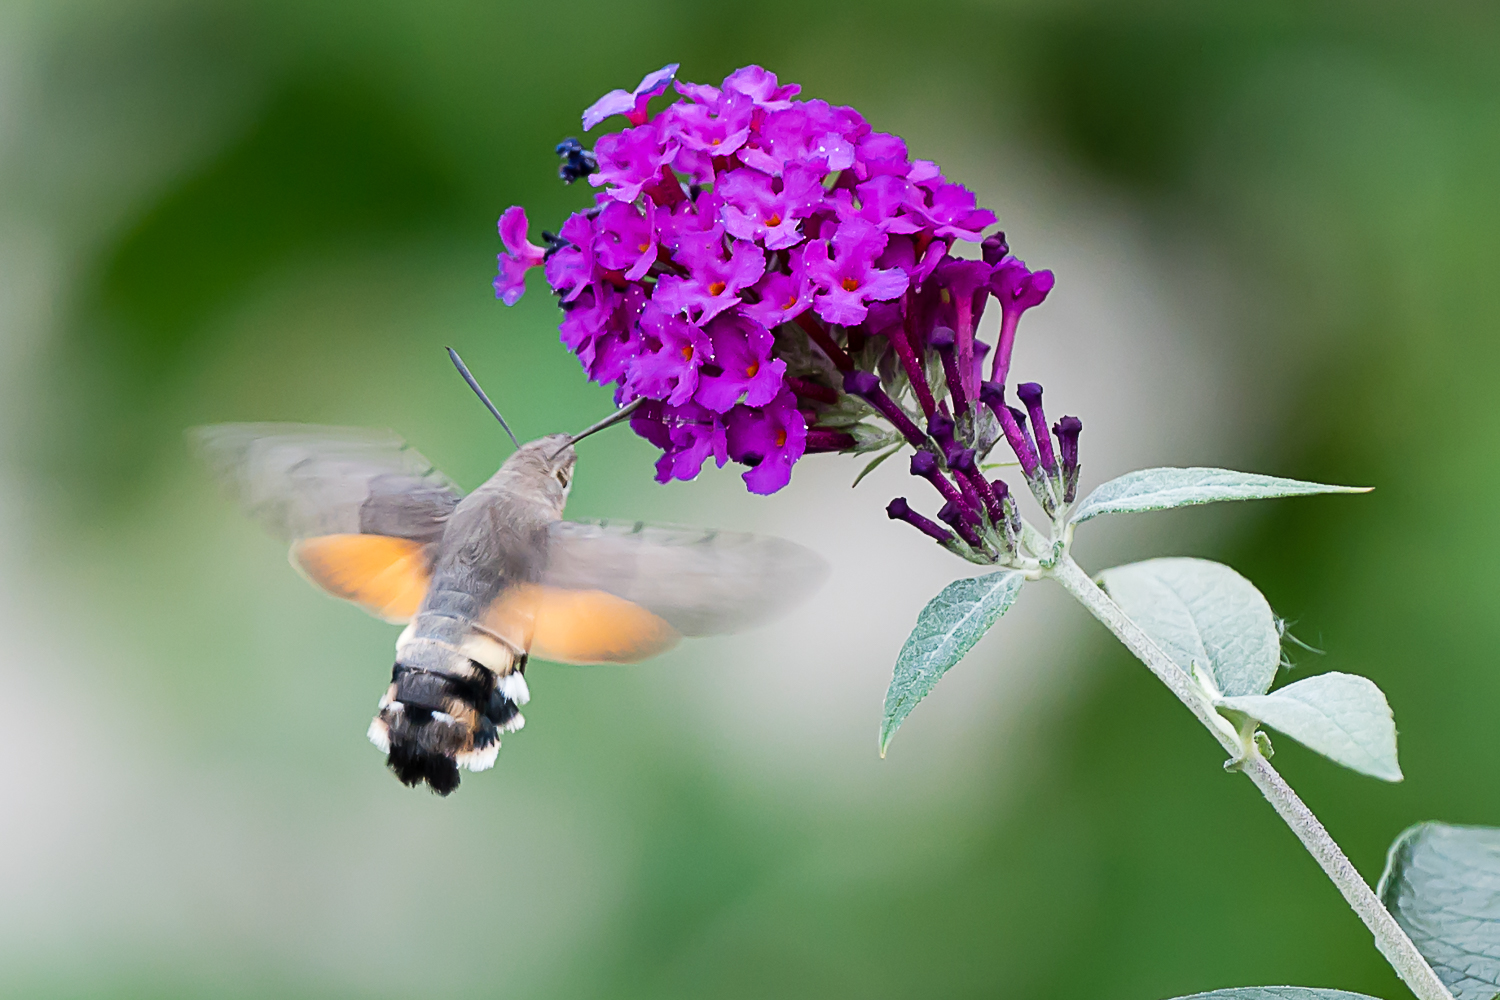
(519, 257)
(849, 279)
(632, 105)
(769, 439)
(1018, 288)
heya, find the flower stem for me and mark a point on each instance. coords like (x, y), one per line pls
(1390, 939)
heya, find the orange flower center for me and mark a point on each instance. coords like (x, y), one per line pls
(752, 369)
(850, 284)
(781, 438)
(774, 220)
(643, 247)
(687, 352)
(717, 288)
(791, 300)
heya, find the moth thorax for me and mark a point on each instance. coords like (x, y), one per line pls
(431, 723)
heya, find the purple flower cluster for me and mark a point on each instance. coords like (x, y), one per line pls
(770, 276)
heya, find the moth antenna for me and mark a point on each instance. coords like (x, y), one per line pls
(609, 421)
(463, 370)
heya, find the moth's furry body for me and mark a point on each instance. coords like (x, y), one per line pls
(457, 684)
(482, 581)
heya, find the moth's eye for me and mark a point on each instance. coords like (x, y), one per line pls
(563, 477)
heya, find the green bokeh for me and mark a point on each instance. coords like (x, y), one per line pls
(282, 211)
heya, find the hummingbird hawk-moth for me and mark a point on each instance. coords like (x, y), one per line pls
(484, 581)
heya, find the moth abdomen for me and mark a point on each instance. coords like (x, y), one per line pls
(432, 722)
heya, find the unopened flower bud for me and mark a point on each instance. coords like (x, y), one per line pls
(974, 484)
(1017, 438)
(899, 510)
(821, 439)
(576, 161)
(994, 248)
(955, 515)
(925, 465)
(1030, 394)
(940, 428)
(944, 340)
(867, 387)
(1015, 422)
(1067, 430)
(1012, 512)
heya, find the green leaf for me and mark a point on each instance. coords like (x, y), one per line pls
(1277, 993)
(874, 464)
(1343, 717)
(1442, 884)
(1202, 613)
(869, 437)
(946, 630)
(1159, 489)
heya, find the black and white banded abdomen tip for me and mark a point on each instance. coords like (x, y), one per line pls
(431, 724)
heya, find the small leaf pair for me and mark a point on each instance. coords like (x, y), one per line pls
(1209, 618)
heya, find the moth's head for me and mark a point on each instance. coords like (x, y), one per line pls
(546, 465)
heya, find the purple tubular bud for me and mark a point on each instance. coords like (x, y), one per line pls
(940, 428)
(1019, 416)
(992, 394)
(1012, 518)
(820, 439)
(1067, 430)
(1030, 394)
(972, 500)
(975, 483)
(900, 338)
(813, 390)
(818, 335)
(956, 517)
(923, 464)
(1036, 479)
(943, 340)
(994, 248)
(867, 387)
(1017, 438)
(899, 510)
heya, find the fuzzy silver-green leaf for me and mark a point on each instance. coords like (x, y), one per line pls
(1160, 489)
(1442, 884)
(1342, 716)
(1205, 614)
(946, 630)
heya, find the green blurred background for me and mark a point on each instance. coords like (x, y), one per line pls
(1275, 231)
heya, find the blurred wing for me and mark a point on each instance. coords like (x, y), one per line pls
(364, 511)
(697, 582)
(579, 626)
(301, 480)
(386, 576)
